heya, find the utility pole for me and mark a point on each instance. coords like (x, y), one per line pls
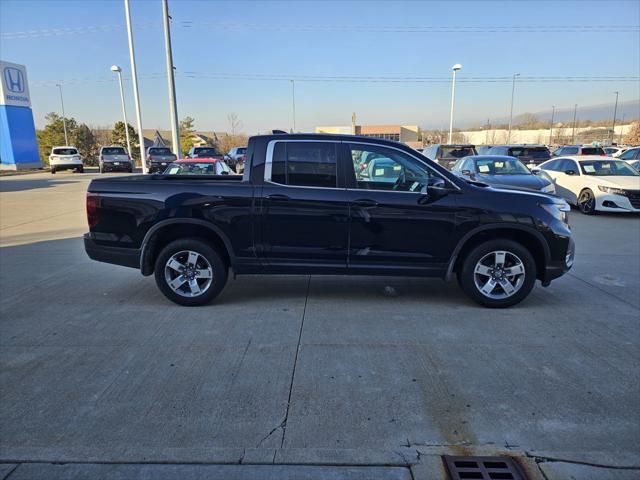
(173, 108)
(573, 133)
(486, 138)
(621, 126)
(134, 81)
(64, 120)
(513, 89)
(553, 114)
(615, 112)
(118, 70)
(353, 123)
(293, 103)
(455, 68)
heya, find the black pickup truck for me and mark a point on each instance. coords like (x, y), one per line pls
(329, 204)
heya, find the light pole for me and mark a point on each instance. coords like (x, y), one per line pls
(573, 132)
(553, 114)
(173, 108)
(622, 127)
(134, 80)
(64, 121)
(118, 70)
(615, 112)
(455, 68)
(293, 103)
(513, 89)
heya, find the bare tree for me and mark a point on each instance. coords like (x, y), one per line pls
(234, 123)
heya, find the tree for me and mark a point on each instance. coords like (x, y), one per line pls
(83, 139)
(187, 132)
(226, 142)
(633, 136)
(119, 137)
(234, 123)
(53, 134)
(526, 121)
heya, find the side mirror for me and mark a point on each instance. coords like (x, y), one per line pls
(466, 172)
(436, 188)
(570, 172)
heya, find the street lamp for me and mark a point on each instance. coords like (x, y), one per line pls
(455, 68)
(573, 132)
(293, 103)
(615, 112)
(553, 113)
(118, 70)
(513, 89)
(64, 121)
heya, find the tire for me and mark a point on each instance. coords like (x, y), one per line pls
(100, 169)
(586, 202)
(208, 258)
(53, 171)
(80, 170)
(478, 269)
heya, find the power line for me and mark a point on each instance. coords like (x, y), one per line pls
(345, 28)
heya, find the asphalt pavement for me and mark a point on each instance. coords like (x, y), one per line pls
(306, 377)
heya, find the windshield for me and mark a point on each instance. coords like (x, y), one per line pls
(160, 151)
(592, 151)
(65, 151)
(457, 152)
(540, 153)
(242, 151)
(205, 152)
(501, 166)
(113, 151)
(193, 168)
(608, 168)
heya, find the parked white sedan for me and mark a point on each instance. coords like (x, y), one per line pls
(595, 183)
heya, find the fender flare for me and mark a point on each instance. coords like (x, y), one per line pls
(151, 233)
(495, 226)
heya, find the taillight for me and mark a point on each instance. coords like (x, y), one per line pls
(93, 202)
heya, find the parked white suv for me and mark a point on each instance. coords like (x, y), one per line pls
(65, 158)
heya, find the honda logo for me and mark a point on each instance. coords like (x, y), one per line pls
(14, 79)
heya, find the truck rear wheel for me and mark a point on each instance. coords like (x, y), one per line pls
(190, 272)
(498, 273)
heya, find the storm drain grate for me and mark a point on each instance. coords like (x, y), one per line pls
(483, 468)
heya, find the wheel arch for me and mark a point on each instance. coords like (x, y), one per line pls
(166, 231)
(528, 237)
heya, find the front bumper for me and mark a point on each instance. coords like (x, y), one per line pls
(127, 257)
(555, 269)
(610, 202)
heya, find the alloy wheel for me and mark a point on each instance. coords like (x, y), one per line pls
(587, 202)
(188, 273)
(499, 275)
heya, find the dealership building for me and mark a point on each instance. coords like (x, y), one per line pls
(400, 133)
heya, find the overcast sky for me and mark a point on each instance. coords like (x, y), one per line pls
(238, 56)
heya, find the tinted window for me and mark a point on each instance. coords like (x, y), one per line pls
(592, 151)
(567, 164)
(569, 150)
(65, 151)
(539, 153)
(456, 152)
(552, 165)
(204, 152)
(113, 151)
(312, 164)
(381, 168)
(159, 151)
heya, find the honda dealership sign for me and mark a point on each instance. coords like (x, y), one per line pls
(18, 145)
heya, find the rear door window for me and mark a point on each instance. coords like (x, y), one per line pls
(592, 151)
(569, 150)
(309, 164)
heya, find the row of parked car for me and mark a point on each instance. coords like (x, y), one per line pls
(116, 159)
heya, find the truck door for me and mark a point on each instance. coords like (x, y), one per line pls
(305, 212)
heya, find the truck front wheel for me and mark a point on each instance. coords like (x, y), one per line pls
(498, 273)
(190, 272)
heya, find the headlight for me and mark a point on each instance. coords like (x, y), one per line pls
(558, 210)
(551, 188)
(612, 190)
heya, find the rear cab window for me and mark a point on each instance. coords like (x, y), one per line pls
(113, 151)
(592, 151)
(160, 151)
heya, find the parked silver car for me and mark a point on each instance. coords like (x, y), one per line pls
(115, 159)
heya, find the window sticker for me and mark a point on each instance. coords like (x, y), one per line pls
(174, 170)
(498, 164)
(397, 168)
(589, 168)
(379, 172)
(483, 168)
